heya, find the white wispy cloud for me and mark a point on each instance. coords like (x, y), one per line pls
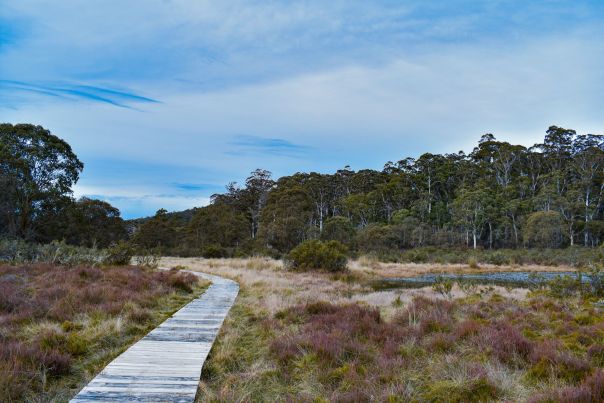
(290, 87)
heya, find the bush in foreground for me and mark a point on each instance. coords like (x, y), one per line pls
(318, 255)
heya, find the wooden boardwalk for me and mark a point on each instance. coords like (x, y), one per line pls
(165, 365)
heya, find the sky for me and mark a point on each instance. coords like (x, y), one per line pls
(167, 101)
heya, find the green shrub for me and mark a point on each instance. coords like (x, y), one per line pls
(149, 259)
(443, 286)
(16, 251)
(61, 253)
(119, 254)
(309, 255)
(76, 344)
(596, 280)
(377, 238)
(564, 286)
(214, 252)
(417, 256)
(498, 258)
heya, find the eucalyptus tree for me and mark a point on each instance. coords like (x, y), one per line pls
(36, 169)
(287, 218)
(470, 211)
(587, 164)
(217, 224)
(86, 222)
(157, 232)
(257, 187)
(339, 229)
(249, 200)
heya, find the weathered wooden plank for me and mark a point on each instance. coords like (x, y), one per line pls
(165, 365)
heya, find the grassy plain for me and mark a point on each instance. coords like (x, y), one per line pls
(312, 336)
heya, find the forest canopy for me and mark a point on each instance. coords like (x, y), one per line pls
(499, 195)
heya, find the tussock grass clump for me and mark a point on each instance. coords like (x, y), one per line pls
(61, 324)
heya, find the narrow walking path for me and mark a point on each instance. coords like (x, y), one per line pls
(165, 365)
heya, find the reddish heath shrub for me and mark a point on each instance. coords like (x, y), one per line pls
(55, 362)
(433, 315)
(466, 328)
(505, 342)
(334, 333)
(43, 292)
(548, 361)
(12, 296)
(591, 390)
(440, 342)
(285, 349)
(596, 354)
(182, 281)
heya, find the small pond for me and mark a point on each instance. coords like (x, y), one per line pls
(506, 279)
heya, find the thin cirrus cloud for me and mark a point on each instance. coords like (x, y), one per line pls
(75, 92)
(246, 144)
(230, 86)
(193, 187)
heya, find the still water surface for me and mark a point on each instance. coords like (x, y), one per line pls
(512, 279)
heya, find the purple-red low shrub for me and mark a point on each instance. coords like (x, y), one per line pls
(505, 342)
(591, 390)
(41, 292)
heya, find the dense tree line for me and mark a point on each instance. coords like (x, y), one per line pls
(37, 172)
(499, 196)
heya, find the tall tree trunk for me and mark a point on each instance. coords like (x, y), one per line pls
(586, 235)
(515, 231)
(490, 235)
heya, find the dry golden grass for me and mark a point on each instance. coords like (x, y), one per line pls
(373, 267)
(279, 288)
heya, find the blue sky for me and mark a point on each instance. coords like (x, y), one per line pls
(166, 101)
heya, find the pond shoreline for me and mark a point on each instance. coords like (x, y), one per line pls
(517, 279)
(380, 270)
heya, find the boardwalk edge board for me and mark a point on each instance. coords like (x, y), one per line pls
(165, 365)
